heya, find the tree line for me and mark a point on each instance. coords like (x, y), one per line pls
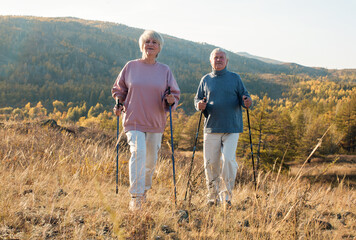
(283, 130)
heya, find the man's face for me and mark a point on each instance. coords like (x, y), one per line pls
(218, 61)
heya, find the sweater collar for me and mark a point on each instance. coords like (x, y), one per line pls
(219, 73)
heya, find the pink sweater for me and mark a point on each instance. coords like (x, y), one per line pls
(142, 87)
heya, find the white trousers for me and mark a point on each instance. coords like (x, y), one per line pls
(220, 164)
(144, 149)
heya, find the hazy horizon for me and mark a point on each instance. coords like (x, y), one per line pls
(310, 33)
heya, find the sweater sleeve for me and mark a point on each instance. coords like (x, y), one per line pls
(175, 91)
(242, 91)
(200, 94)
(120, 89)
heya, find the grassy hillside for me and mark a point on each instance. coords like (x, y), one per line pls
(74, 60)
(61, 185)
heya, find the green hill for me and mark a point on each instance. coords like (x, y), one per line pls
(74, 60)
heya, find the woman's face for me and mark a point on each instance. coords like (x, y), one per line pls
(151, 47)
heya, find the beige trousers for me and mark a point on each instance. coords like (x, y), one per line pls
(144, 147)
(220, 164)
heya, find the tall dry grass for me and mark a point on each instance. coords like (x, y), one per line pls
(58, 185)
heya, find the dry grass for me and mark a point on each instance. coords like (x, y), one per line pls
(57, 185)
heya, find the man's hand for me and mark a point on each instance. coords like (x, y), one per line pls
(202, 104)
(247, 101)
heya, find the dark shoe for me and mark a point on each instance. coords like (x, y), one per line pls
(227, 204)
(212, 203)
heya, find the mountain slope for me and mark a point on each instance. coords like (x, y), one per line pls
(266, 60)
(76, 60)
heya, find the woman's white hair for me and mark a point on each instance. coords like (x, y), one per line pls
(147, 34)
(218, 50)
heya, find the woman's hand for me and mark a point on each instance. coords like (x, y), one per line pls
(118, 109)
(170, 99)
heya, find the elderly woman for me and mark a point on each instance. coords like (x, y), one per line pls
(142, 88)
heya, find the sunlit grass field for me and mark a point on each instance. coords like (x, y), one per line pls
(56, 184)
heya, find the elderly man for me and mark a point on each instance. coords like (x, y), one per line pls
(220, 96)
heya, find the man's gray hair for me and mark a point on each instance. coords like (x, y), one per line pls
(150, 34)
(218, 50)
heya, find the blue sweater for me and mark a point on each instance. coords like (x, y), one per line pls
(223, 91)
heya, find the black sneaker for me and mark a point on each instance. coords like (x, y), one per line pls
(212, 203)
(228, 204)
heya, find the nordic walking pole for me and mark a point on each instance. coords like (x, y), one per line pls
(117, 146)
(195, 145)
(253, 162)
(172, 145)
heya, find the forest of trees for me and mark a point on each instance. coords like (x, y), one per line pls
(64, 68)
(73, 60)
(283, 130)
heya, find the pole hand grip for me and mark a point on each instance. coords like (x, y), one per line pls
(169, 92)
(204, 100)
(118, 103)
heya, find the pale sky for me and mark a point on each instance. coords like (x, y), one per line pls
(315, 33)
